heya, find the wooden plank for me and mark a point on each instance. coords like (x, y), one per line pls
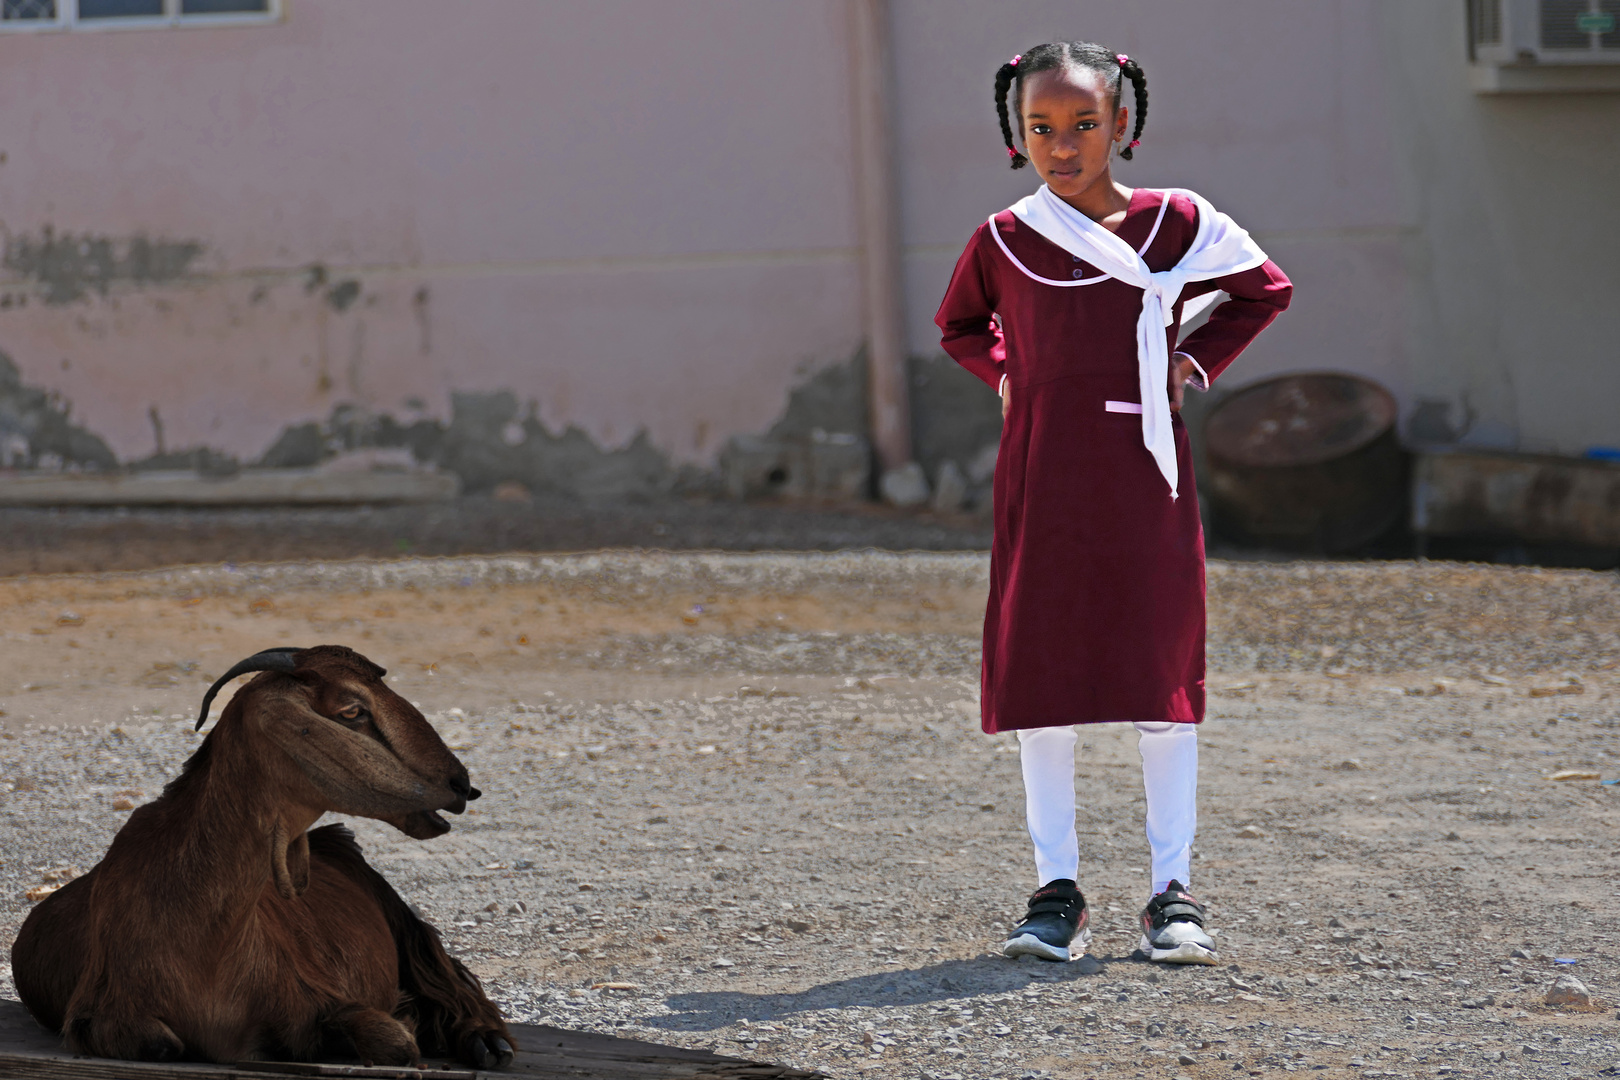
(28, 1052)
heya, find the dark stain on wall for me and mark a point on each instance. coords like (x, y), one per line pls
(490, 440)
(36, 433)
(70, 267)
(954, 418)
(816, 449)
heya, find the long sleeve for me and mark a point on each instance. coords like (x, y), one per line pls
(966, 318)
(1257, 297)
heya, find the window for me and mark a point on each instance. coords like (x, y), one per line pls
(110, 14)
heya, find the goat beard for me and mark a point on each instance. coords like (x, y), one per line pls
(420, 824)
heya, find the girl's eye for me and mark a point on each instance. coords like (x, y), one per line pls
(1086, 125)
(1041, 129)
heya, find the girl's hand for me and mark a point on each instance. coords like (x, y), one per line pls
(1181, 370)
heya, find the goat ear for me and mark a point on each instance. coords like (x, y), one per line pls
(282, 658)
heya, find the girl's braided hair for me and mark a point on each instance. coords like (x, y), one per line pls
(1056, 54)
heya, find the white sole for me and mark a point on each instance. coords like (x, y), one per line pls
(1188, 952)
(1030, 945)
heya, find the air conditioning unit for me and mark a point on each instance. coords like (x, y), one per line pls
(1544, 44)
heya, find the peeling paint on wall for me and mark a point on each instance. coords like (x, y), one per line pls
(816, 448)
(490, 440)
(66, 268)
(35, 432)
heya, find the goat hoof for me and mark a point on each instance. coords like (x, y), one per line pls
(503, 1052)
(160, 1048)
(474, 1052)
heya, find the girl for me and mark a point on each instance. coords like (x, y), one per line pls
(1069, 303)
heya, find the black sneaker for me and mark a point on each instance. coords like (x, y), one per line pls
(1057, 918)
(1173, 929)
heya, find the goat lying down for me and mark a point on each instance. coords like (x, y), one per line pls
(220, 928)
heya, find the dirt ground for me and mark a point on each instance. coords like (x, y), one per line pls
(741, 801)
(80, 540)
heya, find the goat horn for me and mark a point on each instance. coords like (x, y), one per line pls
(278, 659)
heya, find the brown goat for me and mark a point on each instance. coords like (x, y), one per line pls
(218, 928)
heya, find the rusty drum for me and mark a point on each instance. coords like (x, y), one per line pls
(1306, 463)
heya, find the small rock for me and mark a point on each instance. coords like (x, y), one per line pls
(721, 964)
(983, 466)
(123, 802)
(1529, 1049)
(586, 886)
(1576, 774)
(1451, 836)
(1479, 1002)
(904, 487)
(1154, 1030)
(1519, 954)
(1252, 832)
(1554, 691)
(1335, 921)
(517, 908)
(1088, 965)
(1187, 1059)
(1568, 992)
(1238, 984)
(950, 488)
(40, 892)
(493, 905)
(1350, 765)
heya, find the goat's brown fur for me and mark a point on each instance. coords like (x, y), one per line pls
(220, 928)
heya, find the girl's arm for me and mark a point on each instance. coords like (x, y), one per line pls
(1257, 297)
(968, 329)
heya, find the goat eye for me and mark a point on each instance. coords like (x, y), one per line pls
(353, 712)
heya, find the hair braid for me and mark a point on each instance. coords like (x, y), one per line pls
(1056, 54)
(1133, 71)
(1004, 79)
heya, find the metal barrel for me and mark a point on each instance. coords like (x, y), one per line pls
(1307, 463)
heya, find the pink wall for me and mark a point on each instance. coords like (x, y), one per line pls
(607, 213)
(639, 213)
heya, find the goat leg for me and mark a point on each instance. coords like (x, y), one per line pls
(377, 1038)
(133, 1038)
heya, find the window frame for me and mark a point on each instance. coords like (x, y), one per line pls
(67, 18)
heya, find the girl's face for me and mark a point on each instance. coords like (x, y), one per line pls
(1070, 125)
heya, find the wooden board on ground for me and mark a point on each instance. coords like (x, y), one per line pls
(28, 1052)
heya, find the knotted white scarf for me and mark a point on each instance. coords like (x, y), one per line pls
(1221, 247)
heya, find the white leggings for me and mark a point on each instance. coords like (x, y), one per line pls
(1169, 775)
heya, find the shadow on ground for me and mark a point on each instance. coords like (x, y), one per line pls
(948, 980)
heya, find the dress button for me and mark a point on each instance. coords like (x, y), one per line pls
(1077, 273)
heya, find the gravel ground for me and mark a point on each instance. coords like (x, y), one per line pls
(742, 802)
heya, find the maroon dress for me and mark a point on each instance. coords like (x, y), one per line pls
(1096, 609)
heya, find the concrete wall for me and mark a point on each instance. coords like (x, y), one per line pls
(483, 225)
(379, 203)
(1510, 309)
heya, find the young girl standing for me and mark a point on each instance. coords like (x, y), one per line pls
(1069, 303)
